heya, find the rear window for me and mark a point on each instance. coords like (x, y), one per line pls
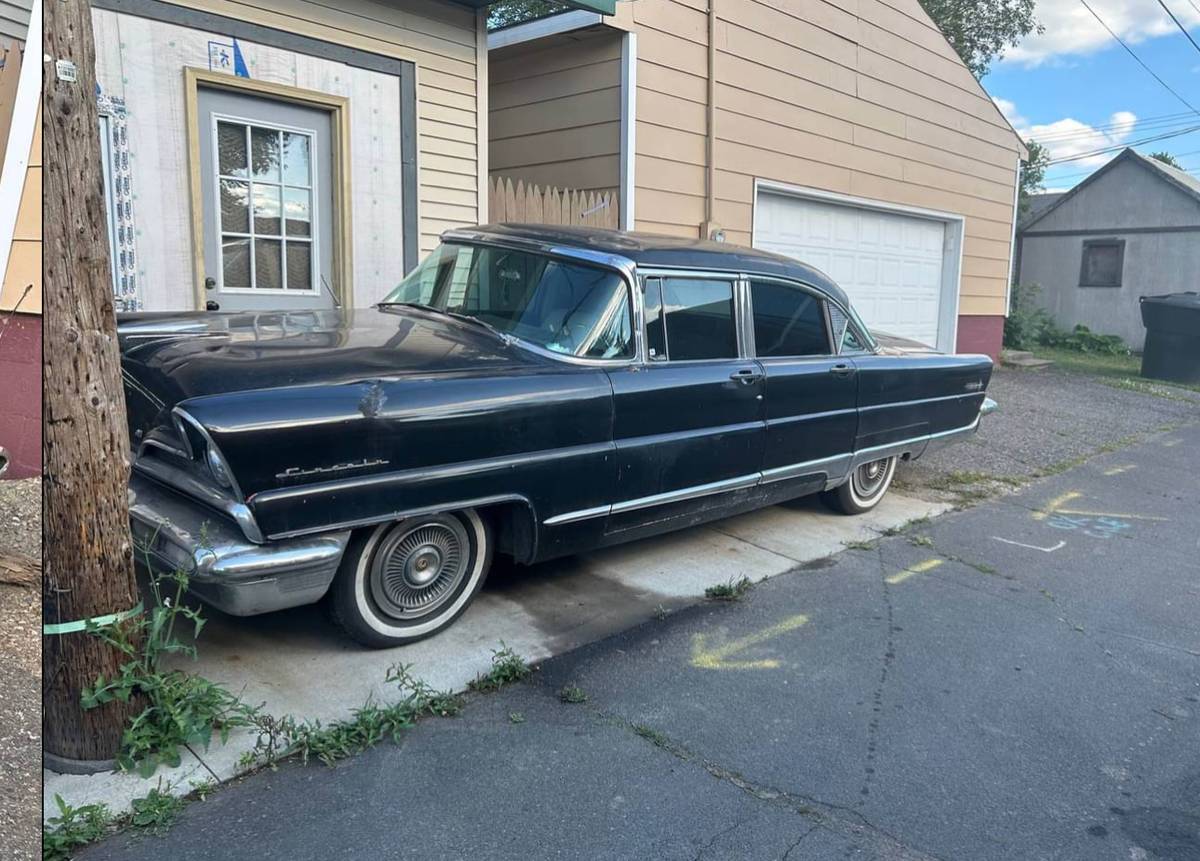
(788, 321)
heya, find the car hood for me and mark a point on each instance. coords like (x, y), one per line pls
(171, 358)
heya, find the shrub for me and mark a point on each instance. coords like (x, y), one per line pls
(1029, 326)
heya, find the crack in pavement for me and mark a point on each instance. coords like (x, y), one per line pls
(798, 841)
(734, 827)
(889, 655)
(838, 819)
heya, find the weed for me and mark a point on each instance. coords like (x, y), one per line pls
(155, 811)
(72, 828)
(516, 717)
(420, 697)
(734, 590)
(181, 709)
(661, 612)
(651, 734)
(861, 545)
(507, 667)
(920, 541)
(573, 694)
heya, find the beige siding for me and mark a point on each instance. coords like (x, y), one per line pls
(554, 111)
(440, 38)
(861, 97)
(25, 258)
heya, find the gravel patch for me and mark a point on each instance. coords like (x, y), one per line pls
(20, 671)
(1048, 420)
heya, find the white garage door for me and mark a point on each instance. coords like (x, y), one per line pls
(889, 264)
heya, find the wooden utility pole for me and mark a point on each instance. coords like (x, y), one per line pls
(88, 560)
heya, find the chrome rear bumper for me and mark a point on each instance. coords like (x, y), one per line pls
(174, 533)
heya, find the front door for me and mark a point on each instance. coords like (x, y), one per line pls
(266, 180)
(688, 424)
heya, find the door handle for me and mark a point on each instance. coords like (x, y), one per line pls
(746, 375)
(842, 370)
(210, 305)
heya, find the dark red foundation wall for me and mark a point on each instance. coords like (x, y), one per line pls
(979, 333)
(21, 393)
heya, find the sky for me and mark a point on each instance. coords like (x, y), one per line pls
(1074, 89)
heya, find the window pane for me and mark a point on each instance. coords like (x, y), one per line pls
(297, 212)
(787, 321)
(1101, 265)
(299, 266)
(235, 261)
(235, 215)
(266, 209)
(264, 147)
(268, 264)
(656, 344)
(231, 149)
(700, 319)
(295, 159)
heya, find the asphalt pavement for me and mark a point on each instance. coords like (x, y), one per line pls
(1020, 680)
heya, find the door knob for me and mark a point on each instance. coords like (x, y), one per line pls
(746, 375)
(210, 305)
(210, 283)
(842, 370)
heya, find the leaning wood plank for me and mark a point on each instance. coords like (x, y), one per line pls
(19, 570)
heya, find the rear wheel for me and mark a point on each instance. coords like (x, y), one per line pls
(401, 582)
(866, 486)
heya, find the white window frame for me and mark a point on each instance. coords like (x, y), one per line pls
(313, 241)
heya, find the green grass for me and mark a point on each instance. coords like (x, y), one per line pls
(573, 694)
(507, 667)
(734, 590)
(1123, 372)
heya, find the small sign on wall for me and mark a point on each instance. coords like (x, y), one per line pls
(220, 57)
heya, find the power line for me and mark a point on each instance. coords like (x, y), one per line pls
(1182, 29)
(1116, 147)
(1110, 129)
(1139, 59)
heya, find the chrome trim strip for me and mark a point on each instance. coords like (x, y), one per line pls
(787, 420)
(691, 433)
(920, 401)
(423, 474)
(795, 470)
(780, 473)
(686, 493)
(573, 516)
(212, 445)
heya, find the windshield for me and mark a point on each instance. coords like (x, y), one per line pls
(569, 308)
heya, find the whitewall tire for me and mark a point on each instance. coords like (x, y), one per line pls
(402, 581)
(864, 488)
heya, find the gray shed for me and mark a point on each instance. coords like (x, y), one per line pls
(1131, 229)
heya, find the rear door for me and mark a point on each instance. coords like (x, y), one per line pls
(811, 393)
(688, 422)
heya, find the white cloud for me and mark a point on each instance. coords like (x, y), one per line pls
(1071, 29)
(1069, 137)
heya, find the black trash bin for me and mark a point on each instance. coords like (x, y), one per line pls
(1172, 350)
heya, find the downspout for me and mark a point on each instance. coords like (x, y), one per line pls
(709, 228)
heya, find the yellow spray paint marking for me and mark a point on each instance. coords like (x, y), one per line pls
(1055, 504)
(912, 571)
(716, 658)
(1117, 470)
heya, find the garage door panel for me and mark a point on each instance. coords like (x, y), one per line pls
(890, 264)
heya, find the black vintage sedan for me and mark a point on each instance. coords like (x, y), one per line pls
(526, 391)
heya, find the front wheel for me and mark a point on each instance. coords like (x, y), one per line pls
(863, 490)
(404, 581)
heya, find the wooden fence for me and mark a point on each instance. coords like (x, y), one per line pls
(529, 204)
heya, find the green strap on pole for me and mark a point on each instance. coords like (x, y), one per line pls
(81, 625)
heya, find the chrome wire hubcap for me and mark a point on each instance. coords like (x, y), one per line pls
(869, 477)
(417, 567)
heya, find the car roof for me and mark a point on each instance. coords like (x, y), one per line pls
(655, 250)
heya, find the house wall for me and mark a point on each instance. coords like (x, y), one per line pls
(554, 111)
(140, 61)
(21, 332)
(1126, 196)
(865, 99)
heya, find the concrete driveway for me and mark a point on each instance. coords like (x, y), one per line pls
(1018, 680)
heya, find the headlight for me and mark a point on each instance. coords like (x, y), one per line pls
(216, 465)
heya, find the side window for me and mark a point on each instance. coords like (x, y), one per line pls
(845, 336)
(656, 342)
(788, 321)
(699, 316)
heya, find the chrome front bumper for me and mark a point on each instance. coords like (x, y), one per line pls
(173, 533)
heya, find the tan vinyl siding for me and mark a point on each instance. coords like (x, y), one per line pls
(25, 257)
(554, 111)
(860, 97)
(440, 38)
